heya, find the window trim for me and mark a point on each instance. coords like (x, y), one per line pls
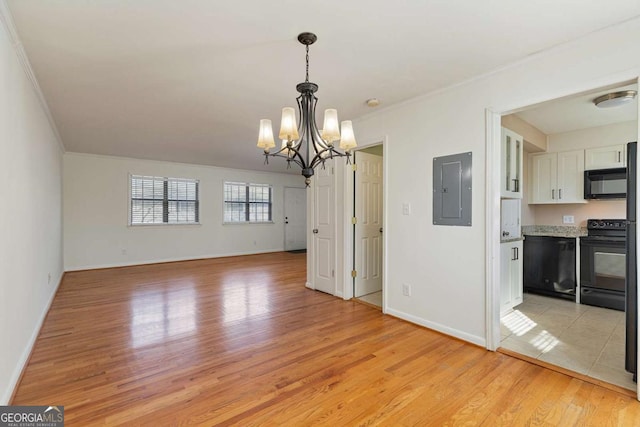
(247, 184)
(130, 223)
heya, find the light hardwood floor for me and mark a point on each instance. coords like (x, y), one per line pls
(241, 341)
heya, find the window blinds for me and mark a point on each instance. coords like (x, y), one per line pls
(160, 200)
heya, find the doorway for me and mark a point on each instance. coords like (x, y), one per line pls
(545, 328)
(295, 219)
(368, 225)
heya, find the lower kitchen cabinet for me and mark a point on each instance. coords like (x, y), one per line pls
(510, 275)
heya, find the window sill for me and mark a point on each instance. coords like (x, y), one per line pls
(166, 224)
(249, 223)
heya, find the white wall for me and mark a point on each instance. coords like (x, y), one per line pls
(446, 265)
(96, 231)
(599, 136)
(31, 213)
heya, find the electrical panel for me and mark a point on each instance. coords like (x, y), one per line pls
(452, 190)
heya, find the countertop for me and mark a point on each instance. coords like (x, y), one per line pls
(511, 239)
(554, 230)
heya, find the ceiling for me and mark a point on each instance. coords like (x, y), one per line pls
(188, 80)
(579, 112)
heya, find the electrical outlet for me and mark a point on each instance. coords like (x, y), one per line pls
(406, 208)
(406, 290)
(568, 219)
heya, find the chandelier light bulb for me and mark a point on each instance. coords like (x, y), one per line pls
(331, 130)
(348, 140)
(288, 126)
(265, 135)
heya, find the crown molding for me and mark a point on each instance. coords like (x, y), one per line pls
(7, 21)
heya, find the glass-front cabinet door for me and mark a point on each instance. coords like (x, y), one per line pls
(511, 164)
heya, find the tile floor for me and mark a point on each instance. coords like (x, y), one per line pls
(374, 298)
(582, 338)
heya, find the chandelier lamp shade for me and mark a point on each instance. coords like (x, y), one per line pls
(303, 143)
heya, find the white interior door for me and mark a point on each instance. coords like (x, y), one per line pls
(368, 228)
(323, 231)
(295, 218)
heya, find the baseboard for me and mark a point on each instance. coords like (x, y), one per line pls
(464, 336)
(9, 393)
(165, 260)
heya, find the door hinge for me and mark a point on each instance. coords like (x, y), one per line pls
(332, 171)
(354, 167)
(354, 220)
(354, 273)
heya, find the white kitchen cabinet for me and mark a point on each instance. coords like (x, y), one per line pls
(614, 156)
(557, 177)
(511, 164)
(510, 219)
(511, 274)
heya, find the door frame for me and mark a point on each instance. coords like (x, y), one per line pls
(348, 234)
(492, 200)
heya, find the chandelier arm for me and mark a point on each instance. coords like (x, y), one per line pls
(301, 123)
(300, 160)
(292, 158)
(309, 119)
(317, 138)
(277, 153)
(318, 158)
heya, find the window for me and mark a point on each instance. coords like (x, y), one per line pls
(157, 200)
(247, 202)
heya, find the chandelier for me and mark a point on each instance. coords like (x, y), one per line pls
(305, 145)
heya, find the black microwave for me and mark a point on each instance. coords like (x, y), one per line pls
(605, 183)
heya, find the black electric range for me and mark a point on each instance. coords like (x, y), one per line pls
(602, 264)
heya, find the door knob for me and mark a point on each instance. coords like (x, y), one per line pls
(315, 231)
(381, 229)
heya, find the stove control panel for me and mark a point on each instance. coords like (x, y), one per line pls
(606, 224)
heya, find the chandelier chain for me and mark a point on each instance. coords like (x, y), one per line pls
(307, 77)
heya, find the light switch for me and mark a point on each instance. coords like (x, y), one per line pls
(568, 219)
(406, 208)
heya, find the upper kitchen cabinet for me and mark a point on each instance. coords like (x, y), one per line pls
(614, 156)
(511, 164)
(557, 177)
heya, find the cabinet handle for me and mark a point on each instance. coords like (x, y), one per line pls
(514, 254)
(517, 253)
(553, 194)
(560, 193)
(619, 156)
(516, 185)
